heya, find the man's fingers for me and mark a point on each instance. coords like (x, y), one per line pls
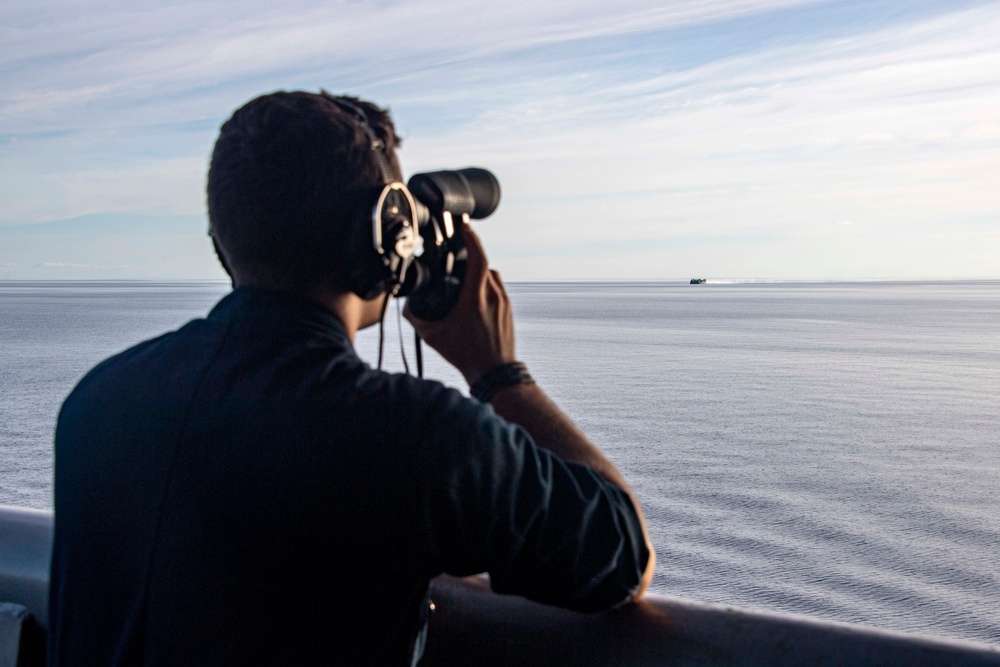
(494, 290)
(499, 282)
(478, 263)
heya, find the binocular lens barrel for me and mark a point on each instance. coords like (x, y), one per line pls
(471, 191)
(485, 189)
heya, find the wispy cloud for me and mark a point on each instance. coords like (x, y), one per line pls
(60, 57)
(696, 128)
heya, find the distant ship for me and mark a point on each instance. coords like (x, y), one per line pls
(697, 281)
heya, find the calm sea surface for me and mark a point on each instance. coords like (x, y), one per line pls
(829, 449)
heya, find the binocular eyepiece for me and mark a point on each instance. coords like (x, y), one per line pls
(443, 201)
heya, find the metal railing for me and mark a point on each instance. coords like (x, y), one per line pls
(473, 626)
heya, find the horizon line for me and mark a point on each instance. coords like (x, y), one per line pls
(556, 281)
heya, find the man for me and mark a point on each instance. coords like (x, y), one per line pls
(245, 490)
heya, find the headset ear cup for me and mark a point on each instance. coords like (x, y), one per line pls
(366, 271)
(370, 272)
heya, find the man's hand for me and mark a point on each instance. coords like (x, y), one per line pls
(477, 335)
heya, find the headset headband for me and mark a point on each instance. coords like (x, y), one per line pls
(377, 145)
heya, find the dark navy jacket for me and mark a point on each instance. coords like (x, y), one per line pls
(246, 490)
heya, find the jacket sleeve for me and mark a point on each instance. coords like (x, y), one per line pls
(489, 499)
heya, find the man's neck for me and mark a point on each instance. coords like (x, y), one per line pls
(353, 312)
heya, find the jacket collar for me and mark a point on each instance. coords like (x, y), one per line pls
(256, 306)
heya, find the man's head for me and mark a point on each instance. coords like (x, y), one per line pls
(291, 186)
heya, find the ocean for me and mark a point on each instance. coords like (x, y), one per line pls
(828, 449)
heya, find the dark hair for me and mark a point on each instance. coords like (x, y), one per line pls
(291, 186)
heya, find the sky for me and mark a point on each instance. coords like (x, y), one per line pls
(635, 140)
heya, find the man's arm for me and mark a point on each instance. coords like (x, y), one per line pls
(477, 336)
(529, 407)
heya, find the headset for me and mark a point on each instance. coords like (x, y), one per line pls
(395, 230)
(395, 226)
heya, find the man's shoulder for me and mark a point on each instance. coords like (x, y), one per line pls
(132, 362)
(438, 415)
(432, 399)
